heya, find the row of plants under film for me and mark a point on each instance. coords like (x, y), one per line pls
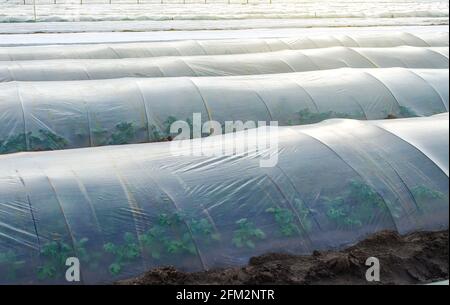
(131, 132)
(193, 239)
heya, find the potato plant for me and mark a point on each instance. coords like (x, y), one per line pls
(247, 234)
(170, 235)
(308, 117)
(10, 264)
(43, 141)
(124, 253)
(355, 207)
(285, 219)
(54, 254)
(427, 198)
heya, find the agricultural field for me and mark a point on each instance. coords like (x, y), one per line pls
(210, 142)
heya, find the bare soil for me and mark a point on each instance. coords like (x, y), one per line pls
(412, 259)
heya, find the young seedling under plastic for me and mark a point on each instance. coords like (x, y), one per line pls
(426, 198)
(169, 235)
(204, 230)
(247, 234)
(55, 253)
(124, 254)
(10, 264)
(125, 133)
(359, 204)
(308, 117)
(45, 140)
(285, 219)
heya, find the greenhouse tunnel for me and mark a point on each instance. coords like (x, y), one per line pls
(218, 47)
(125, 209)
(224, 65)
(36, 116)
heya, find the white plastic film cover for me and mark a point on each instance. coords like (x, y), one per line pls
(223, 65)
(218, 47)
(125, 209)
(59, 115)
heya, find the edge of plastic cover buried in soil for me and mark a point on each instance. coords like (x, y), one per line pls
(125, 209)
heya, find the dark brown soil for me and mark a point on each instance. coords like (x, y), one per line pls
(416, 258)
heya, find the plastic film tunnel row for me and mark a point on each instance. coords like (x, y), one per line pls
(37, 116)
(218, 47)
(125, 209)
(225, 65)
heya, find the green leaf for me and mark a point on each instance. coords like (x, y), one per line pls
(115, 268)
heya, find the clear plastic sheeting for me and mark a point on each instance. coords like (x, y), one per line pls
(125, 209)
(37, 116)
(421, 139)
(223, 65)
(218, 47)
